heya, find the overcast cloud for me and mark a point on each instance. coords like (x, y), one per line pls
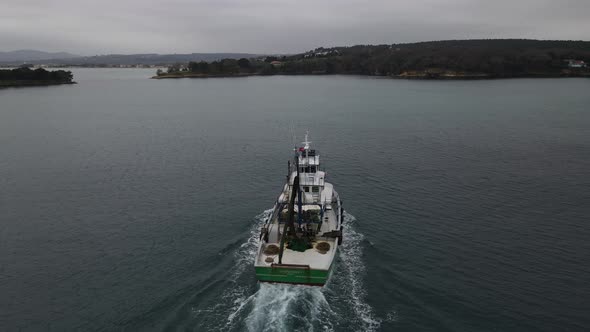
(277, 26)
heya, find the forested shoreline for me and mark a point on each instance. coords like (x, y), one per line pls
(463, 59)
(25, 76)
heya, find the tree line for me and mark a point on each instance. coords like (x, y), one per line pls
(224, 67)
(493, 57)
(39, 74)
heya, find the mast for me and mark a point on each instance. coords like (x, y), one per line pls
(306, 142)
(299, 203)
(289, 228)
(305, 157)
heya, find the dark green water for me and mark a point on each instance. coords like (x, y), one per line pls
(130, 204)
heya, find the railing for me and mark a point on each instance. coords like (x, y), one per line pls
(290, 266)
(276, 211)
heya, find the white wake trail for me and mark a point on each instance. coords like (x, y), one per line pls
(278, 307)
(340, 305)
(244, 256)
(354, 269)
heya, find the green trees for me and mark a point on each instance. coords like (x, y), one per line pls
(221, 67)
(203, 67)
(244, 63)
(490, 58)
(39, 74)
(198, 67)
(229, 66)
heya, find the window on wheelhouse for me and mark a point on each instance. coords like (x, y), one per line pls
(308, 169)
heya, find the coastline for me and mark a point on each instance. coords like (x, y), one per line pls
(24, 83)
(403, 76)
(199, 75)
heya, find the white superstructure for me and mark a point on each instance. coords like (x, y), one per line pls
(316, 220)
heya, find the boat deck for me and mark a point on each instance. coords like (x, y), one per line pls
(311, 257)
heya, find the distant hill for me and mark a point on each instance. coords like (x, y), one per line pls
(33, 55)
(151, 59)
(484, 58)
(479, 57)
(124, 59)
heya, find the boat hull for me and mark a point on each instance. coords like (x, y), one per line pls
(292, 275)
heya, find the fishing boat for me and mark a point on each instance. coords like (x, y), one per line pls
(299, 241)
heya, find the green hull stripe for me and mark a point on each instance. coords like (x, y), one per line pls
(297, 276)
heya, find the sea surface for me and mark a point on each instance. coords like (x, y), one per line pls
(130, 204)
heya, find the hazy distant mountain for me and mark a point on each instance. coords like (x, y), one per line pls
(151, 59)
(128, 59)
(33, 55)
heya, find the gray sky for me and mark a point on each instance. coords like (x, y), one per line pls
(275, 26)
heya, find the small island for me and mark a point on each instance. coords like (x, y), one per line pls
(451, 59)
(25, 76)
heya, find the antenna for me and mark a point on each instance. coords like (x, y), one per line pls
(306, 142)
(292, 132)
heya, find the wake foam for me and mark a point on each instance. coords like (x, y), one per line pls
(340, 305)
(246, 253)
(277, 307)
(244, 257)
(354, 268)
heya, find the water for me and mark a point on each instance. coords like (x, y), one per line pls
(134, 204)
